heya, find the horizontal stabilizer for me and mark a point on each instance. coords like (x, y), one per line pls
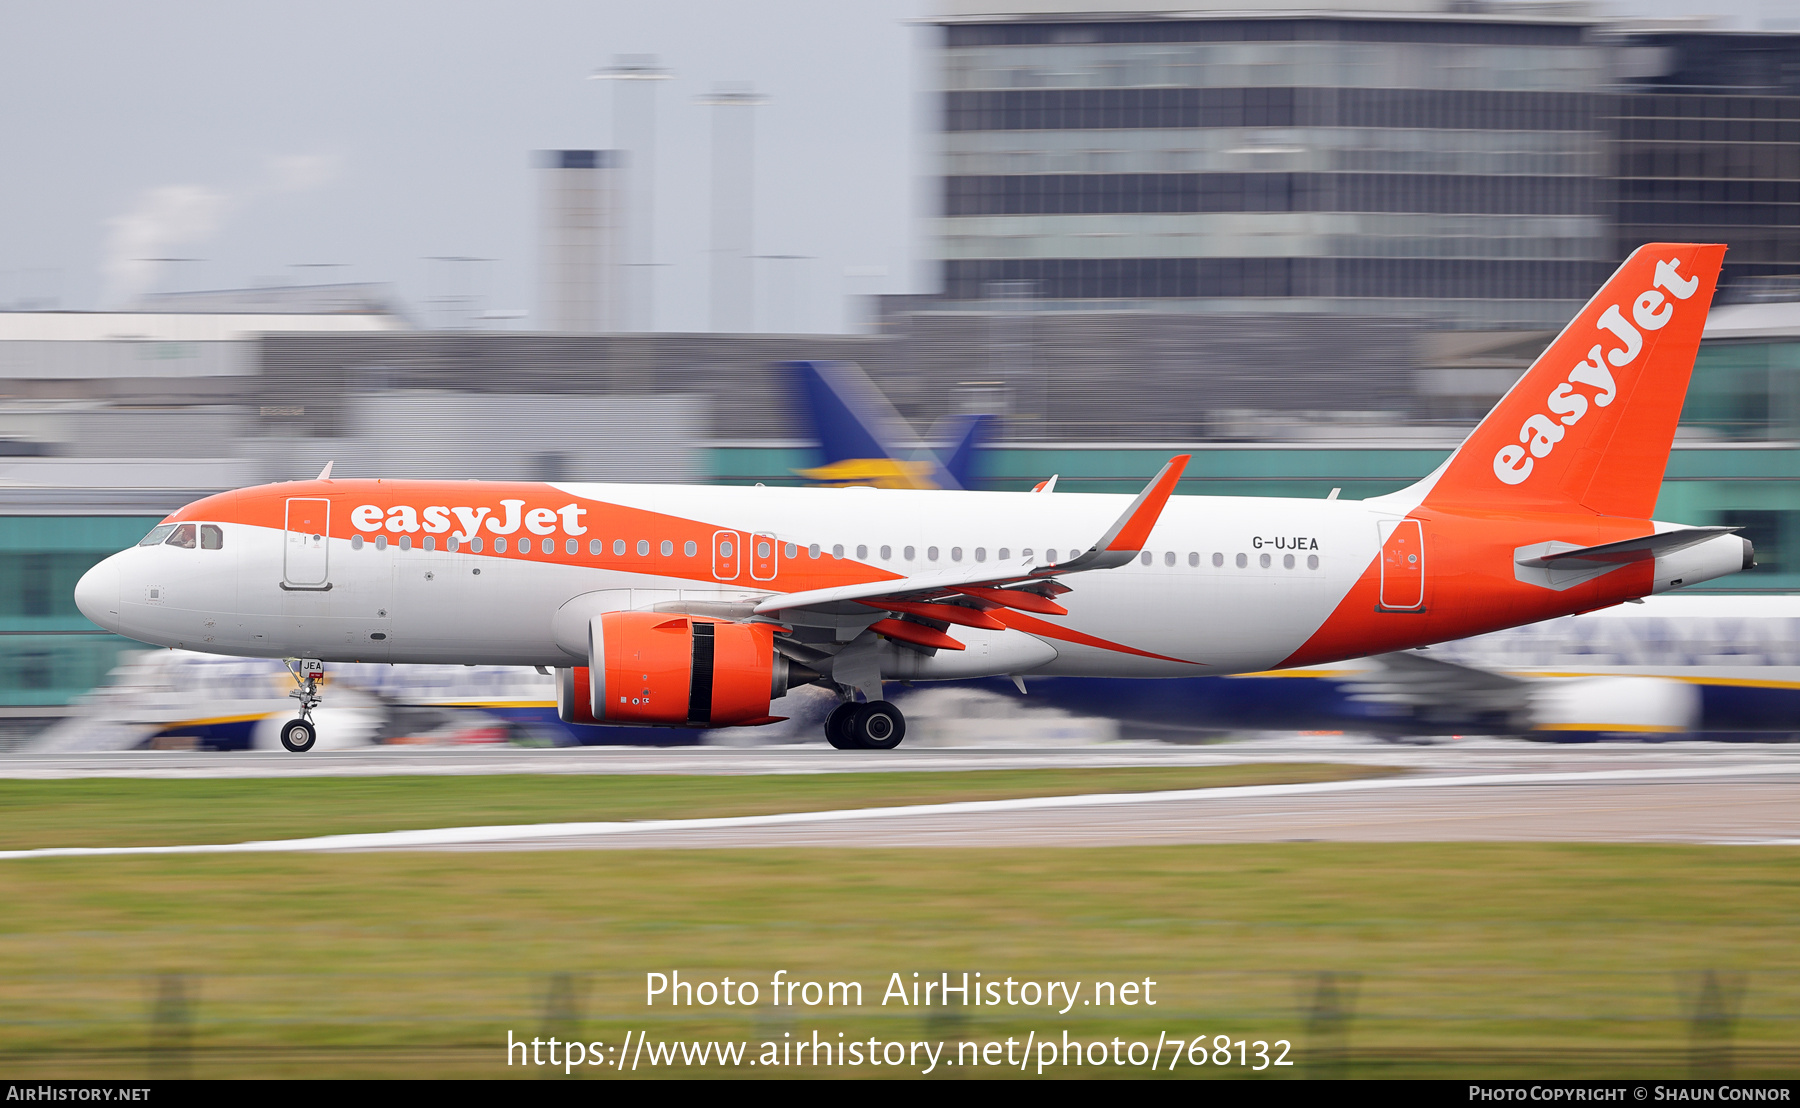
(1620, 553)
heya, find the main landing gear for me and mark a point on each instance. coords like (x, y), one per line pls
(876, 725)
(298, 735)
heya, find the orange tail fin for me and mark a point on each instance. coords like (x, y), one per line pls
(1590, 424)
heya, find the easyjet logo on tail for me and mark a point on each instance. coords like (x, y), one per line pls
(1651, 311)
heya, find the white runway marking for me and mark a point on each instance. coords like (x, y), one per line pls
(539, 832)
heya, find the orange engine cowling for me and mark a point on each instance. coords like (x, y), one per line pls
(659, 669)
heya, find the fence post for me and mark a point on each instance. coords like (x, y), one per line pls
(171, 1046)
(564, 1001)
(1328, 1024)
(1712, 1023)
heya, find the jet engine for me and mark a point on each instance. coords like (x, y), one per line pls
(661, 669)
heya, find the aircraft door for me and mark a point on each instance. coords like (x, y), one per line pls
(765, 554)
(305, 562)
(727, 549)
(1402, 565)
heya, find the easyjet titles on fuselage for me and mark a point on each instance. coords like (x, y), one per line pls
(435, 519)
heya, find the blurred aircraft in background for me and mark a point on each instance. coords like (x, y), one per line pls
(1674, 667)
(864, 440)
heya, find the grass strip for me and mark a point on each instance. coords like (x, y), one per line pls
(1442, 960)
(156, 812)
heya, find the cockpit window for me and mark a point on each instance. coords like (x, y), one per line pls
(183, 536)
(211, 537)
(157, 535)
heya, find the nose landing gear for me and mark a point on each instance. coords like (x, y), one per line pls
(298, 735)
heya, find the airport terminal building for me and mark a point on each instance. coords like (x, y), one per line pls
(1477, 165)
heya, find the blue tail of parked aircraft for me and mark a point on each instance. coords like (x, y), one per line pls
(863, 438)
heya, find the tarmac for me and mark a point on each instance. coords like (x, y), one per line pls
(1476, 790)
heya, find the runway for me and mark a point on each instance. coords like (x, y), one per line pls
(1476, 755)
(1747, 802)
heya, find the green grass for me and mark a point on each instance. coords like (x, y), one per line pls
(1498, 960)
(137, 812)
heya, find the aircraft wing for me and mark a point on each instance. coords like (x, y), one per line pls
(1004, 582)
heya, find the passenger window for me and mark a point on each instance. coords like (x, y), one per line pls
(690, 548)
(1025, 554)
(618, 548)
(1193, 559)
(1243, 560)
(887, 552)
(862, 552)
(573, 546)
(595, 546)
(499, 544)
(956, 553)
(1287, 561)
(430, 543)
(452, 544)
(1146, 557)
(1263, 561)
(157, 535)
(548, 546)
(837, 551)
(183, 536)
(668, 548)
(211, 537)
(1050, 555)
(791, 551)
(1218, 559)
(1312, 561)
(475, 544)
(908, 553)
(356, 542)
(1169, 558)
(643, 548)
(931, 553)
(406, 542)
(381, 542)
(1004, 554)
(981, 553)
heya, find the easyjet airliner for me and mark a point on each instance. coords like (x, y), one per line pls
(698, 606)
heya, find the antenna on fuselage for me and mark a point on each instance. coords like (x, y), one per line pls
(325, 474)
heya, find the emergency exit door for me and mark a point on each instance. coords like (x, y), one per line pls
(1402, 565)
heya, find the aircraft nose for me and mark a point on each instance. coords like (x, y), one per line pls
(97, 594)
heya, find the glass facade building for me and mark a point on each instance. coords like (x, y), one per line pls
(1447, 168)
(1707, 133)
(49, 652)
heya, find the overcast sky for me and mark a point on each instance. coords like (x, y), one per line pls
(354, 141)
